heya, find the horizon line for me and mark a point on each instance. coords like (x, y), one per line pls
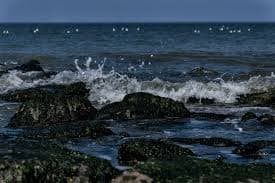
(129, 22)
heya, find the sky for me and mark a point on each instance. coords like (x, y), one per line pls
(137, 10)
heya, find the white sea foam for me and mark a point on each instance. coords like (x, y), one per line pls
(106, 87)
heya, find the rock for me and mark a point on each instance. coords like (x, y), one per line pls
(42, 91)
(68, 130)
(124, 134)
(48, 162)
(46, 107)
(143, 106)
(140, 150)
(250, 150)
(267, 119)
(214, 141)
(248, 116)
(210, 116)
(258, 99)
(132, 177)
(191, 169)
(32, 65)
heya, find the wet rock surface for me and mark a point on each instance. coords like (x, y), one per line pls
(140, 150)
(31, 66)
(90, 129)
(43, 91)
(43, 161)
(248, 116)
(49, 107)
(143, 106)
(191, 169)
(214, 141)
(163, 164)
(259, 99)
(267, 119)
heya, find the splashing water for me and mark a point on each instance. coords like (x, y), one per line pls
(107, 87)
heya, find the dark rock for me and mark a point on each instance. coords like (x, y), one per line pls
(215, 141)
(206, 101)
(250, 150)
(191, 169)
(141, 150)
(32, 65)
(69, 130)
(124, 134)
(267, 119)
(200, 71)
(42, 91)
(248, 116)
(210, 116)
(258, 99)
(35, 162)
(45, 107)
(144, 106)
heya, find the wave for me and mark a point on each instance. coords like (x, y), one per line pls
(111, 86)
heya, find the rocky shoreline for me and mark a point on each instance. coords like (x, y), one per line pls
(51, 112)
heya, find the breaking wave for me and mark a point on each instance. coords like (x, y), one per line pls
(111, 86)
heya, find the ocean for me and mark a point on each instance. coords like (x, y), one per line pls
(218, 61)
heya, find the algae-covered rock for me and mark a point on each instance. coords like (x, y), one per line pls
(47, 107)
(91, 129)
(140, 150)
(258, 99)
(191, 169)
(248, 116)
(144, 106)
(253, 149)
(75, 89)
(214, 141)
(42, 161)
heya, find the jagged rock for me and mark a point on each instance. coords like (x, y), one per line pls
(45, 106)
(140, 150)
(144, 106)
(35, 162)
(248, 116)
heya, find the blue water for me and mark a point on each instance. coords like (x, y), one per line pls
(217, 61)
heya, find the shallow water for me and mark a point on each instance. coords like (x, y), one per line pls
(170, 60)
